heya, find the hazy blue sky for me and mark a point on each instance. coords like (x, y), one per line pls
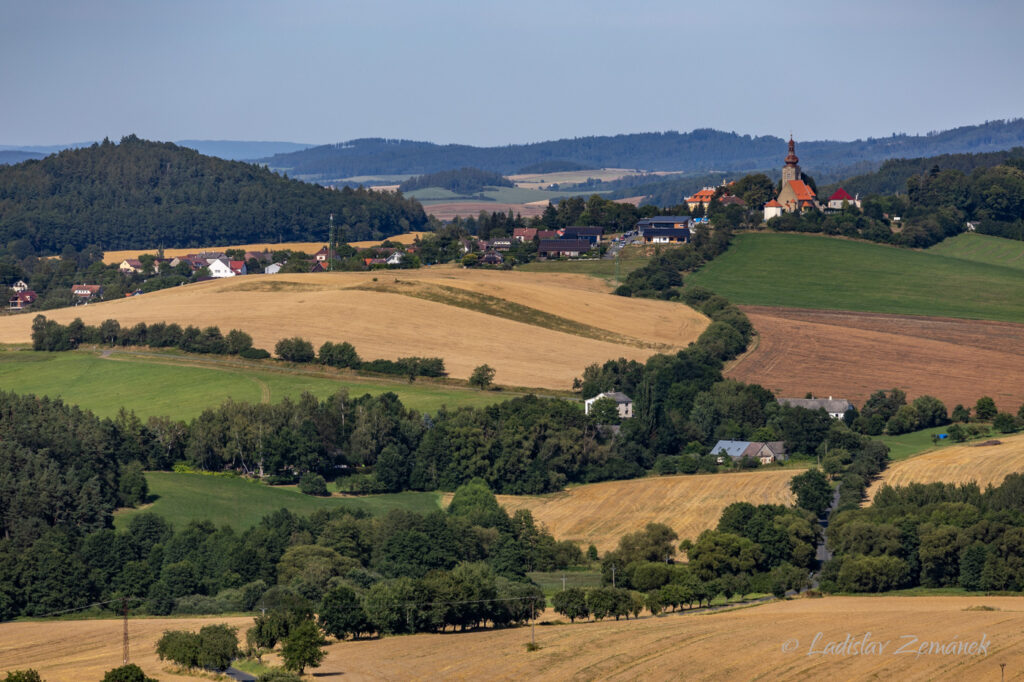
(489, 72)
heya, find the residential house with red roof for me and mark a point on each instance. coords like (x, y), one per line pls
(22, 299)
(835, 202)
(84, 293)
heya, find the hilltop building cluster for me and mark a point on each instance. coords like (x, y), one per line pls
(796, 195)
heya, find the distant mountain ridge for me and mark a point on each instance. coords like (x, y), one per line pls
(701, 150)
(230, 150)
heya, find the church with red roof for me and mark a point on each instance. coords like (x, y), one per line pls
(796, 195)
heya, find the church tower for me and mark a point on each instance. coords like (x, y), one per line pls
(791, 171)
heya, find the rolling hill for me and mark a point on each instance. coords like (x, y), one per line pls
(700, 150)
(137, 194)
(537, 330)
(982, 248)
(810, 271)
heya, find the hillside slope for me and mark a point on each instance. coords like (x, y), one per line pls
(810, 271)
(537, 330)
(139, 194)
(984, 464)
(982, 248)
(601, 513)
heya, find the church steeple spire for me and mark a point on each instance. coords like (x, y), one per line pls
(791, 171)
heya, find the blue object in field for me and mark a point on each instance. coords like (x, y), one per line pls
(943, 436)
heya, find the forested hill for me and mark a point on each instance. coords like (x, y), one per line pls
(698, 151)
(140, 194)
(892, 176)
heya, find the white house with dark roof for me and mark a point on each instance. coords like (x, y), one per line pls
(622, 401)
(836, 407)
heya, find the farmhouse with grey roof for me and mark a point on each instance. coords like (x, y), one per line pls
(836, 407)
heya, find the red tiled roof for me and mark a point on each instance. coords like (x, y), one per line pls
(703, 196)
(773, 204)
(840, 195)
(802, 191)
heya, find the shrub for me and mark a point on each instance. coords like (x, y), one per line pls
(254, 354)
(313, 484)
(127, 673)
(338, 355)
(295, 349)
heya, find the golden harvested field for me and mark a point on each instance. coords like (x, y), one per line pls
(601, 513)
(535, 329)
(745, 644)
(769, 642)
(83, 650)
(853, 354)
(984, 464)
(303, 247)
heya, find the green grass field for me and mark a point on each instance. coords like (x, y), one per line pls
(982, 248)
(239, 503)
(165, 386)
(631, 258)
(910, 444)
(806, 271)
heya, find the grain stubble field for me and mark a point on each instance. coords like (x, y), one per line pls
(601, 513)
(853, 354)
(736, 645)
(335, 307)
(983, 464)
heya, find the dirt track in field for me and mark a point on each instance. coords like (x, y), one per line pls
(852, 354)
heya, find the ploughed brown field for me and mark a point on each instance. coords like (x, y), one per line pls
(536, 329)
(906, 638)
(601, 513)
(983, 464)
(852, 354)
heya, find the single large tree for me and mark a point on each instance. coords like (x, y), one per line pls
(812, 491)
(303, 648)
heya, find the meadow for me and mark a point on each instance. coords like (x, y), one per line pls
(909, 444)
(769, 641)
(810, 271)
(241, 503)
(544, 337)
(982, 248)
(630, 258)
(167, 384)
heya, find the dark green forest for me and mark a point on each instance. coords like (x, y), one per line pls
(140, 194)
(698, 151)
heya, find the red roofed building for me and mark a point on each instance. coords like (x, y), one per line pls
(796, 195)
(772, 209)
(702, 197)
(22, 299)
(524, 234)
(237, 266)
(835, 202)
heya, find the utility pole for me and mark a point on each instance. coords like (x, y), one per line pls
(330, 246)
(124, 612)
(613, 575)
(563, 582)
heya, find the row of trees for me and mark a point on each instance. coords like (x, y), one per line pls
(49, 335)
(285, 559)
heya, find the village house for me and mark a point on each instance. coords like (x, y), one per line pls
(524, 234)
(563, 248)
(835, 202)
(84, 293)
(219, 268)
(237, 267)
(258, 256)
(20, 286)
(658, 235)
(273, 268)
(590, 232)
(836, 407)
(322, 255)
(622, 401)
(492, 258)
(763, 452)
(701, 198)
(500, 244)
(548, 234)
(22, 299)
(395, 258)
(130, 266)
